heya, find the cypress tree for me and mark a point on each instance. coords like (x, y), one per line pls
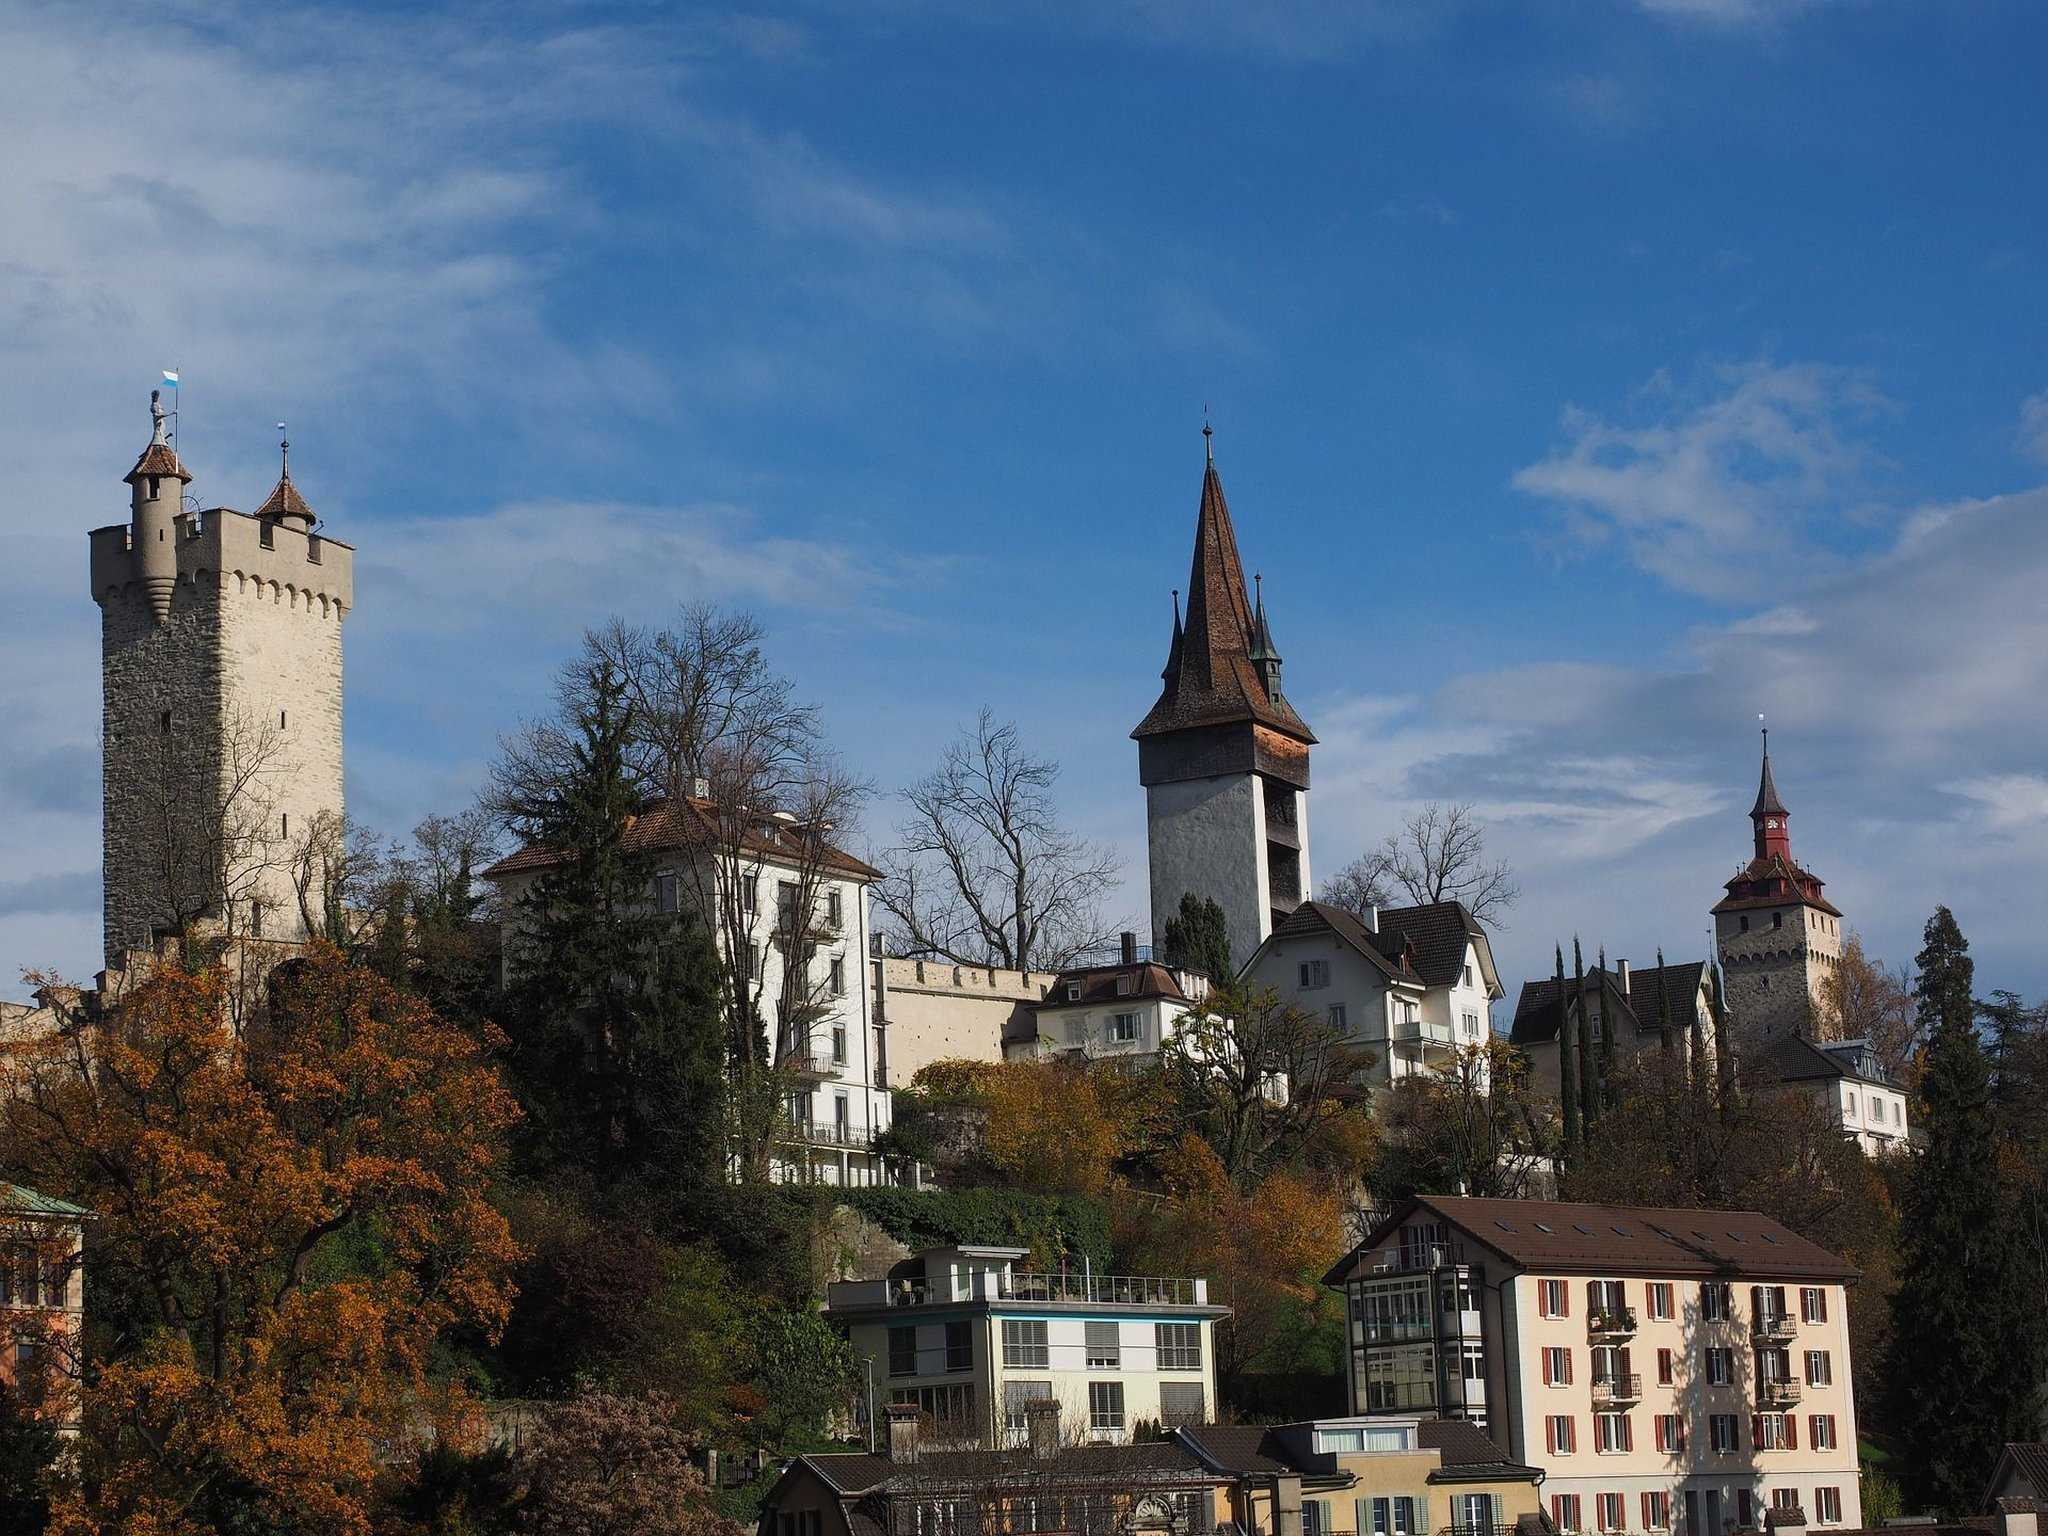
(1198, 939)
(1962, 1375)
(1567, 1060)
(1589, 1095)
(1664, 1039)
(1609, 1027)
(1724, 1053)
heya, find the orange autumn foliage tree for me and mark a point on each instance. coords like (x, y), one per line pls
(286, 1220)
(1054, 1126)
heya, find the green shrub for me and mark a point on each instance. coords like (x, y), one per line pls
(1053, 1227)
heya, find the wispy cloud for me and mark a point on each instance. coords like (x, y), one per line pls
(1717, 486)
(2033, 436)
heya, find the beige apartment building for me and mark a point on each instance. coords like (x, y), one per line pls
(1669, 1370)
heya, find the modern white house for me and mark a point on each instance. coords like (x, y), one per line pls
(837, 1054)
(972, 1336)
(1415, 986)
(1847, 1080)
(1122, 1011)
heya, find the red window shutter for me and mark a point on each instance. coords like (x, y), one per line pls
(1546, 1375)
(1550, 1434)
(1592, 1295)
(1664, 1367)
(1756, 1301)
(1791, 1431)
(1649, 1514)
(1821, 1299)
(1567, 1367)
(1564, 1303)
(1756, 1431)
(1571, 1434)
(1678, 1423)
(1628, 1433)
(1623, 1357)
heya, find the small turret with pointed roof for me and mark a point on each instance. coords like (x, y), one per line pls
(1768, 817)
(284, 503)
(156, 500)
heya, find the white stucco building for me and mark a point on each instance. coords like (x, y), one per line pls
(1122, 1011)
(1846, 1079)
(1415, 987)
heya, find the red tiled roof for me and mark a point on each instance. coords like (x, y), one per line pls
(1774, 882)
(668, 824)
(1098, 984)
(1209, 677)
(284, 500)
(158, 459)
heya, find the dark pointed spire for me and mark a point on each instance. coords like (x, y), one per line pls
(1767, 801)
(1214, 678)
(284, 500)
(1262, 636)
(1173, 648)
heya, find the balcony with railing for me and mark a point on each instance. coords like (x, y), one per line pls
(1411, 1258)
(1100, 1290)
(812, 1067)
(1431, 1037)
(1621, 1387)
(1611, 1322)
(1778, 1392)
(1775, 1325)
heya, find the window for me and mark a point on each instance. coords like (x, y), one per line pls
(839, 1044)
(1721, 1433)
(1820, 1429)
(1772, 1431)
(1126, 985)
(1024, 1343)
(163, 722)
(750, 896)
(1813, 1304)
(1819, 1369)
(835, 908)
(1315, 1517)
(284, 823)
(1560, 1434)
(1785, 1498)
(1745, 922)
(667, 893)
(1611, 1433)
(1669, 1434)
(1471, 1025)
(902, 1351)
(1391, 1517)
(1606, 1296)
(1123, 1028)
(1180, 1346)
(1338, 1018)
(1611, 1516)
(1720, 1367)
(1104, 1354)
(1557, 1366)
(1476, 1512)
(1552, 1299)
(950, 1408)
(1105, 1406)
(1564, 1511)
(1827, 1506)
(1017, 1396)
(1073, 991)
(1714, 1301)
(1852, 1105)
(256, 919)
(1660, 1299)
(1180, 1402)
(1657, 1511)
(1468, 973)
(838, 976)
(1777, 919)
(753, 961)
(1315, 973)
(1663, 1367)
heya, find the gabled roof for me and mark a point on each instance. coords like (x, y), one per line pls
(2028, 1459)
(1537, 1019)
(1467, 1453)
(1315, 919)
(1438, 935)
(1555, 1236)
(667, 825)
(1464, 1452)
(1794, 1059)
(1098, 984)
(1209, 677)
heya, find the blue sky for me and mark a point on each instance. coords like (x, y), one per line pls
(1587, 377)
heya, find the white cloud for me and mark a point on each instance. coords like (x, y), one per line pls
(2008, 801)
(1714, 494)
(2034, 426)
(1725, 13)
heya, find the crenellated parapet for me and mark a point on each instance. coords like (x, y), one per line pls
(237, 556)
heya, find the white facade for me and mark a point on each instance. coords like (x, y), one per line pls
(1240, 839)
(972, 1336)
(1122, 1012)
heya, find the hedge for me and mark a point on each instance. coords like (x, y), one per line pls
(1052, 1226)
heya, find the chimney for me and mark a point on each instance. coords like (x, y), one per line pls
(1129, 943)
(1621, 976)
(1287, 1504)
(902, 1433)
(1372, 918)
(1042, 1416)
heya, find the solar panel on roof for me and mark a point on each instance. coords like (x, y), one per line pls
(1767, 1237)
(1544, 1226)
(1502, 1225)
(1580, 1226)
(1737, 1236)
(1624, 1231)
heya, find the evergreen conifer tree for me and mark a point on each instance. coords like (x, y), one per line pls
(1567, 1060)
(1962, 1374)
(1198, 939)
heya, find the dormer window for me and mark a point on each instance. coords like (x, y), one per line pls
(1126, 985)
(1073, 991)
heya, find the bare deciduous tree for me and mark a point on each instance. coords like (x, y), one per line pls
(1864, 999)
(1438, 855)
(983, 872)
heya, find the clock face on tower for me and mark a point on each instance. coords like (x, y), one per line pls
(1771, 823)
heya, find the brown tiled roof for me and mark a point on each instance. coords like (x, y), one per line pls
(284, 500)
(1240, 1448)
(1555, 1236)
(669, 824)
(1098, 984)
(1463, 1449)
(2029, 1459)
(1209, 677)
(1439, 933)
(1466, 1452)
(1791, 1059)
(158, 459)
(1767, 801)
(857, 1472)
(1774, 882)
(1314, 918)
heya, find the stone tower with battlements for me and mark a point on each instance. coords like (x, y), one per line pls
(220, 669)
(1779, 937)
(1222, 755)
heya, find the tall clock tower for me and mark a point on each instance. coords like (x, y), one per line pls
(1779, 937)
